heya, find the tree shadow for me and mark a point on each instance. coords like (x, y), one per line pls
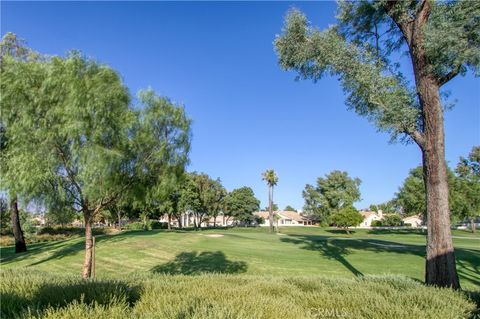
(467, 260)
(340, 231)
(63, 248)
(194, 263)
(326, 248)
(61, 294)
(405, 231)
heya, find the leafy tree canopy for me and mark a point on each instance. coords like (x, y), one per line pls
(331, 193)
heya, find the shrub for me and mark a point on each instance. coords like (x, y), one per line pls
(155, 224)
(135, 226)
(376, 223)
(392, 220)
(33, 294)
(347, 217)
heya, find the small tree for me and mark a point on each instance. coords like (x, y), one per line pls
(290, 208)
(331, 193)
(240, 204)
(347, 217)
(392, 220)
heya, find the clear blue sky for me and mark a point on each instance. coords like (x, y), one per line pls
(217, 59)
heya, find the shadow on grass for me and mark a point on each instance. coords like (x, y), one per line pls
(406, 231)
(468, 260)
(59, 295)
(340, 231)
(193, 263)
(63, 248)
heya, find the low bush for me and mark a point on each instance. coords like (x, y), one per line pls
(376, 223)
(33, 294)
(159, 225)
(135, 226)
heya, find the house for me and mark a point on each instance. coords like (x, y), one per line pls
(413, 221)
(369, 217)
(285, 218)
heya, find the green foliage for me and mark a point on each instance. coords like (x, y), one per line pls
(270, 177)
(411, 195)
(361, 51)
(392, 220)
(274, 207)
(464, 190)
(290, 208)
(376, 223)
(240, 203)
(467, 201)
(389, 207)
(136, 226)
(5, 226)
(347, 217)
(335, 191)
(225, 296)
(202, 195)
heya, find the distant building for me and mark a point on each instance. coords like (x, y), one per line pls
(414, 221)
(369, 217)
(285, 218)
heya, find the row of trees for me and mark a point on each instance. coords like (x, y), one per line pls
(338, 190)
(73, 141)
(464, 190)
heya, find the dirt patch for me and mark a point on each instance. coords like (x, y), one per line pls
(214, 235)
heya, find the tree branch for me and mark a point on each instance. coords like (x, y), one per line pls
(418, 137)
(447, 77)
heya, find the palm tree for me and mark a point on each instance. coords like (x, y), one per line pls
(271, 178)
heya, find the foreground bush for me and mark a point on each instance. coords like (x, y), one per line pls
(32, 294)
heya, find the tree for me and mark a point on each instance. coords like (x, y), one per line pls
(274, 207)
(240, 204)
(346, 217)
(410, 198)
(87, 140)
(272, 179)
(164, 127)
(290, 208)
(468, 184)
(335, 191)
(411, 195)
(442, 40)
(12, 51)
(392, 220)
(202, 195)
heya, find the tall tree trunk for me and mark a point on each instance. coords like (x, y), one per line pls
(169, 221)
(215, 221)
(223, 220)
(472, 221)
(20, 245)
(440, 263)
(270, 208)
(87, 263)
(119, 219)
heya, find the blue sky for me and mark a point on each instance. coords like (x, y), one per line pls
(217, 59)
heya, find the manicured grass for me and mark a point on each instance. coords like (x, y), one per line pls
(33, 294)
(296, 251)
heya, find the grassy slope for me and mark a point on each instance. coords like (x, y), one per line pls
(33, 294)
(298, 251)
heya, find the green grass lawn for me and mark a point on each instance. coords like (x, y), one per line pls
(296, 251)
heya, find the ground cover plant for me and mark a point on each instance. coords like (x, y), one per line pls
(35, 294)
